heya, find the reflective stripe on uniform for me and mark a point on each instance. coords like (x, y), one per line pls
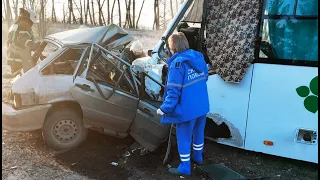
(25, 44)
(185, 159)
(14, 59)
(197, 145)
(197, 149)
(174, 84)
(184, 155)
(192, 82)
(188, 84)
(26, 32)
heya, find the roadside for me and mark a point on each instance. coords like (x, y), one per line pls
(26, 156)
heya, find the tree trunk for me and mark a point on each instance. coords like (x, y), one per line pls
(171, 9)
(112, 9)
(99, 10)
(64, 14)
(23, 4)
(119, 9)
(70, 11)
(176, 6)
(164, 14)
(42, 33)
(108, 10)
(156, 14)
(93, 17)
(139, 14)
(81, 15)
(133, 13)
(86, 7)
(8, 14)
(53, 13)
(128, 15)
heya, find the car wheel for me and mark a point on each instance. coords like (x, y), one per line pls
(63, 129)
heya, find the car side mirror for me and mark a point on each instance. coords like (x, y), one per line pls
(149, 52)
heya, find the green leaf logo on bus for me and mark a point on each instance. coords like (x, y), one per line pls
(311, 100)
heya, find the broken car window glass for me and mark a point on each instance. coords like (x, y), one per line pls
(65, 63)
(102, 70)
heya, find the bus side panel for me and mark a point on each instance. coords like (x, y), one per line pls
(229, 105)
(276, 112)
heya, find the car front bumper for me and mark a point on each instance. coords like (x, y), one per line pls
(27, 119)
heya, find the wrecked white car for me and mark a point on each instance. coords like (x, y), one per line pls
(79, 86)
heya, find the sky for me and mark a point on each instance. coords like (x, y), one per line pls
(146, 18)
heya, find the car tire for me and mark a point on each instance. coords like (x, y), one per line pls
(63, 129)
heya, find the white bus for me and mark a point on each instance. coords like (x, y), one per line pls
(267, 100)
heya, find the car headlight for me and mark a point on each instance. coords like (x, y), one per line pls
(17, 101)
(24, 99)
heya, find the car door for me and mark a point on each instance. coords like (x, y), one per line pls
(146, 128)
(105, 102)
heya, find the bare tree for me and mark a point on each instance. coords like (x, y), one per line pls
(41, 31)
(93, 17)
(64, 14)
(8, 13)
(87, 11)
(128, 22)
(15, 8)
(53, 13)
(176, 5)
(139, 14)
(112, 9)
(133, 13)
(108, 11)
(32, 4)
(80, 11)
(70, 10)
(171, 9)
(119, 10)
(101, 16)
(156, 14)
(164, 14)
(23, 4)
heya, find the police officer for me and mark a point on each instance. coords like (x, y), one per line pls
(21, 42)
(186, 101)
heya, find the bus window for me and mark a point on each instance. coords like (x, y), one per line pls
(289, 31)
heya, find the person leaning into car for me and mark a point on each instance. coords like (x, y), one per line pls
(186, 101)
(21, 42)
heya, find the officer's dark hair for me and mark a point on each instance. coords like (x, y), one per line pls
(178, 42)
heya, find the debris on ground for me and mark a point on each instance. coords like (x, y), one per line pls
(14, 167)
(114, 164)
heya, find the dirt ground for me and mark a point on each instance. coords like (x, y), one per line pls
(26, 156)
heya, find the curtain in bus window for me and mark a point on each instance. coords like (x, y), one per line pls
(307, 8)
(295, 39)
(231, 34)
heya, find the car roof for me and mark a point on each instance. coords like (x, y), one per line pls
(103, 35)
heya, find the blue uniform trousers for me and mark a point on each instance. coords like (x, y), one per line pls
(184, 133)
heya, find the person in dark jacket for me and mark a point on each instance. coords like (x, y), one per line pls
(21, 42)
(186, 101)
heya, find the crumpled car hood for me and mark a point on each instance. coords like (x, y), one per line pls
(110, 36)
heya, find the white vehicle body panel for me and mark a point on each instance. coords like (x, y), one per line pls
(276, 111)
(229, 103)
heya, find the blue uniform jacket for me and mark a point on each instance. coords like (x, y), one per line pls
(186, 94)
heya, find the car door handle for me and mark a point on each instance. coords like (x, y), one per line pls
(84, 87)
(147, 111)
